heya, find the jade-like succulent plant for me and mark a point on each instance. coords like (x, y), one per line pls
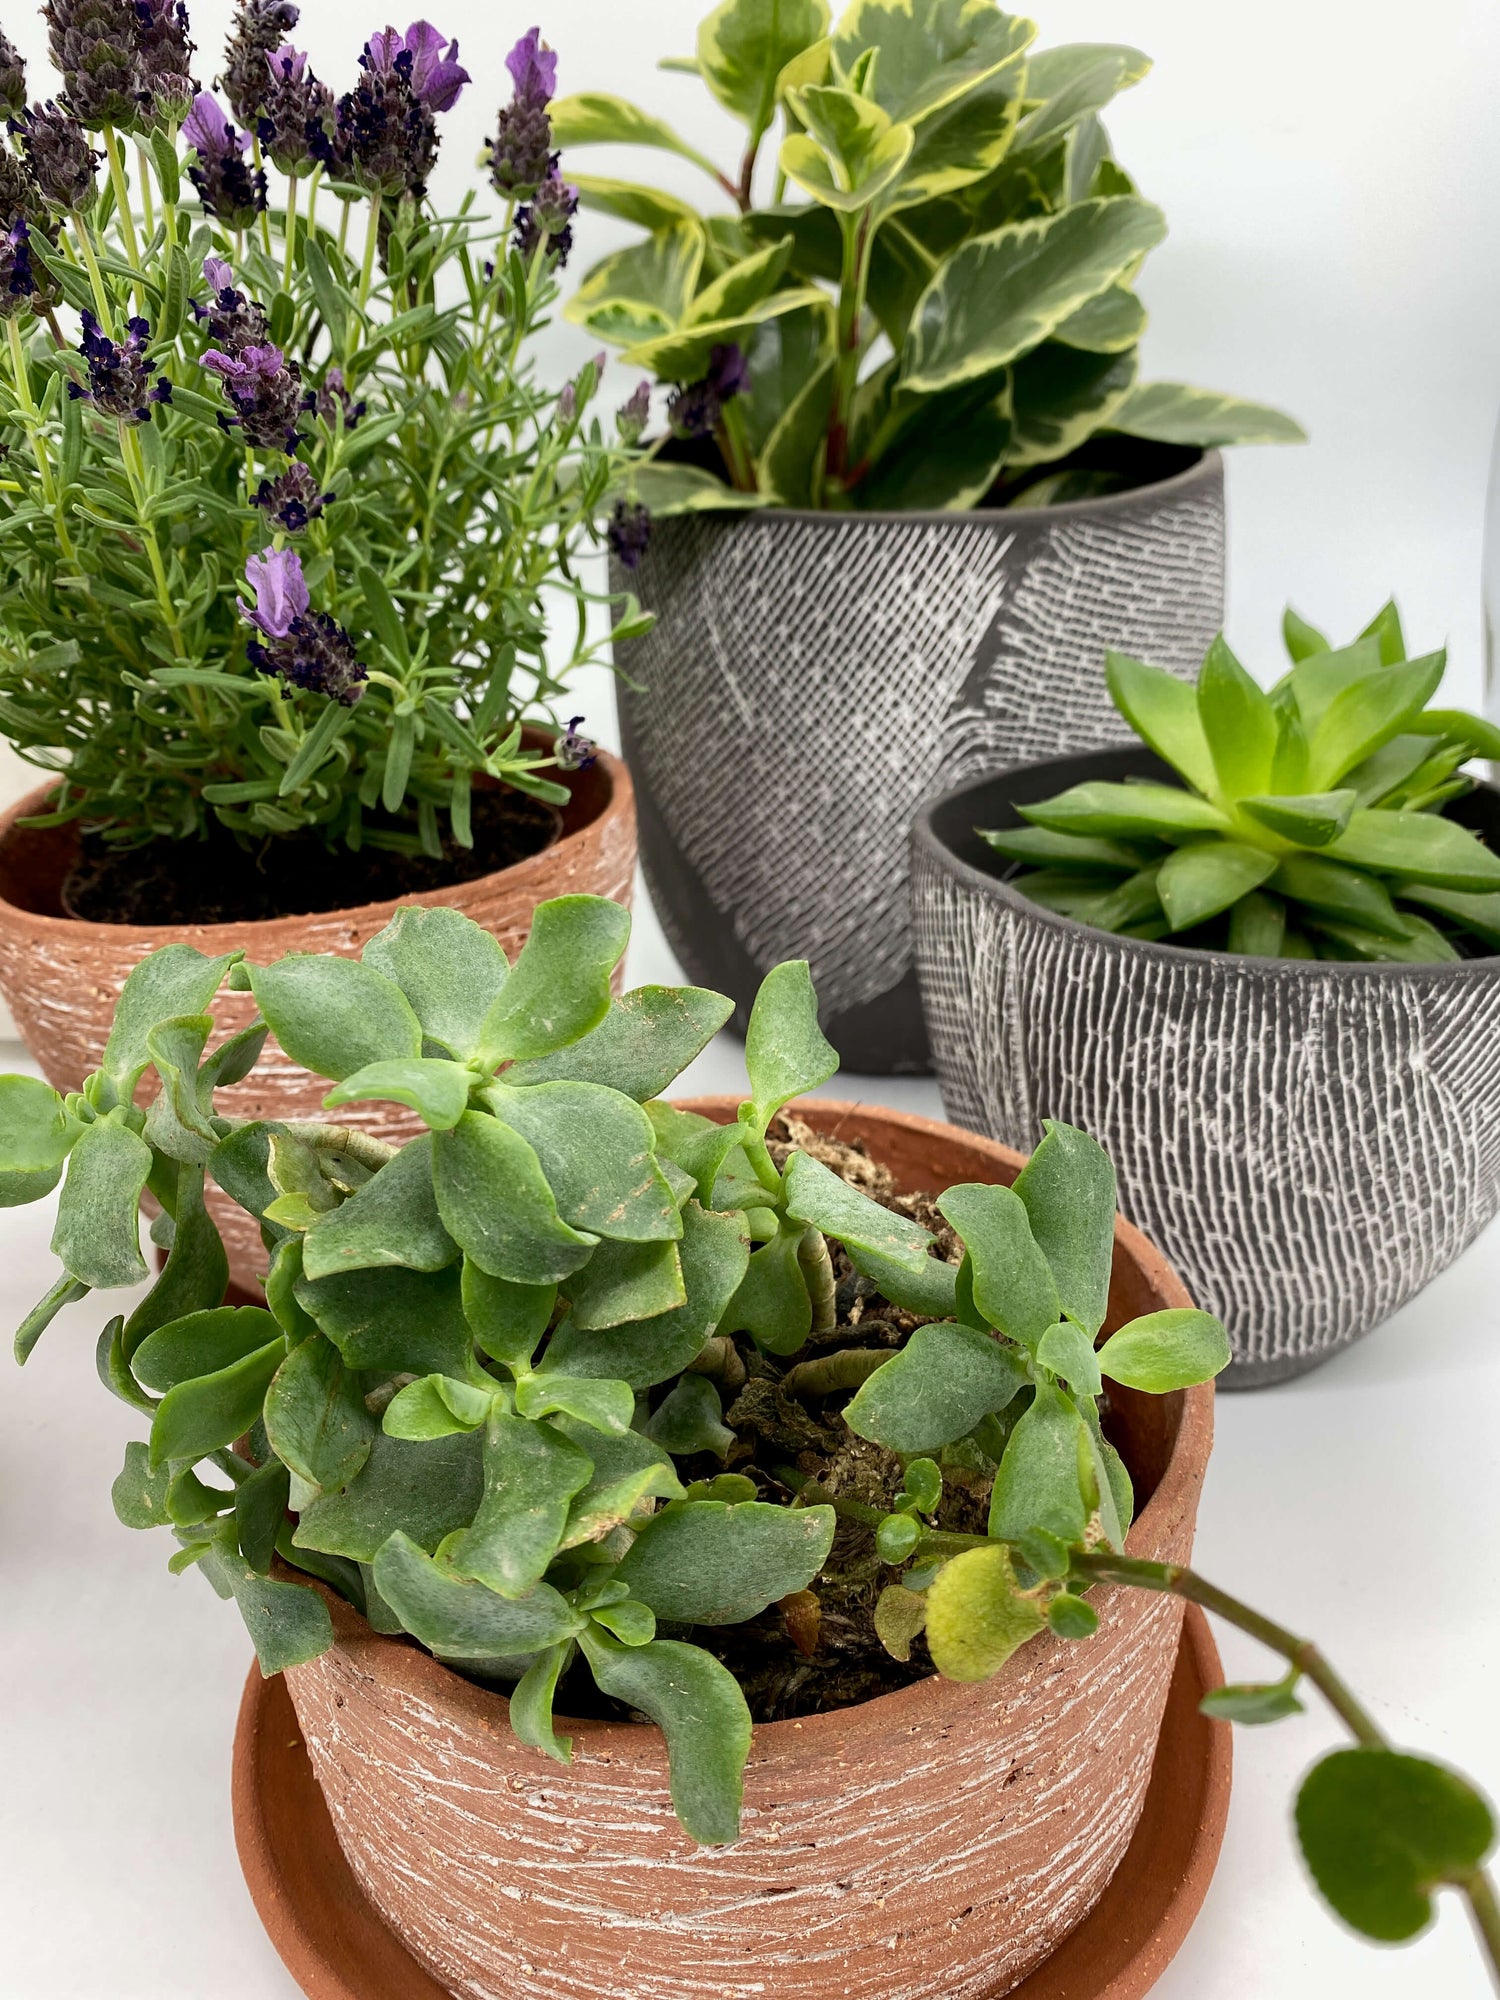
(1310, 821)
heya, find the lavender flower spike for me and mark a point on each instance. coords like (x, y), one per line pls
(120, 382)
(280, 591)
(533, 67)
(12, 78)
(17, 273)
(260, 27)
(296, 120)
(265, 392)
(435, 73)
(226, 186)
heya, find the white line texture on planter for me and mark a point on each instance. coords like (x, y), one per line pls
(940, 1858)
(812, 678)
(1309, 1145)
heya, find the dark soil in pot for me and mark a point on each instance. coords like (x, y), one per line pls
(222, 880)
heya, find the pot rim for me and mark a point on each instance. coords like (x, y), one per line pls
(402, 1660)
(1206, 470)
(924, 835)
(618, 799)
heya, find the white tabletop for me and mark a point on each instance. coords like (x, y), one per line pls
(1359, 1504)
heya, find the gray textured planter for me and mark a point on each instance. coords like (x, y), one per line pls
(1310, 1144)
(812, 678)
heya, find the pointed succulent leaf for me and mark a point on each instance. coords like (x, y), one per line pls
(1301, 639)
(173, 981)
(424, 1489)
(1311, 819)
(1172, 413)
(596, 1147)
(531, 1474)
(335, 1015)
(1257, 926)
(714, 1255)
(698, 1706)
(1479, 914)
(507, 1320)
(1418, 846)
(392, 1219)
(1198, 882)
(1345, 894)
(1380, 1831)
(1068, 1187)
(1012, 1284)
(558, 990)
(1129, 812)
(626, 1282)
(1000, 295)
(450, 969)
(460, 1619)
(36, 1135)
(1038, 1484)
(97, 1238)
(1239, 722)
(1369, 713)
(1321, 676)
(945, 1380)
(699, 1562)
(1163, 712)
(393, 1320)
(643, 1044)
(316, 1417)
(977, 1616)
(1166, 1350)
(437, 1090)
(495, 1202)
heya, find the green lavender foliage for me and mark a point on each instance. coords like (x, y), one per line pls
(928, 258)
(1310, 823)
(460, 494)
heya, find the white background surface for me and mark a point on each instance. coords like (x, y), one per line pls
(1332, 175)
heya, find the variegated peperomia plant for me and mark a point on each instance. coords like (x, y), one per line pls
(482, 1401)
(922, 288)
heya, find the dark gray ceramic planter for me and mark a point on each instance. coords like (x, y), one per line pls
(812, 678)
(1310, 1144)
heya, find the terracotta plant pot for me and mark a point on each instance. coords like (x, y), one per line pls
(1311, 1143)
(934, 1844)
(811, 678)
(61, 976)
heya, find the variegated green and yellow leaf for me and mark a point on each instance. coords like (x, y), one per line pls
(643, 291)
(1171, 413)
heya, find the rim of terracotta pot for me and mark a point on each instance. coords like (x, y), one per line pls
(405, 1663)
(925, 835)
(1206, 470)
(602, 792)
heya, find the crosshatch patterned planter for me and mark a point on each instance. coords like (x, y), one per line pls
(61, 976)
(937, 1843)
(1309, 1143)
(812, 678)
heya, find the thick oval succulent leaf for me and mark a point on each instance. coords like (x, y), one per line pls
(1068, 1188)
(496, 1203)
(700, 1562)
(392, 1320)
(424, 1490)
(97, 1236)
(287, 1622)
(698, 1706)
(316, 1416)
(623, 1283)
(507, 1320)
(392, 1219)
(601, 1404)
(643, 1044)
(597, 1149)
(976, 1615)
(772, 1304)
(201, 1343)
(1067, 1350)
(531, 1702)
(945, 1380)
(817, 1195)
(36, 1135)
(1039, 1483)
(1166, 1350)
(437, 1090)
(630, 1472)
(531, 1474)
(335, 1015)
(436, 1406)
(174, 981)
(450, 969)
(211, 1411)
(786, 1052)
(689, 1419)
(1011, 1282)
(931, 1292)
(460, 1619)
(558, 990)
(177, 1119)
(1251, 1703)
(1380, 1831)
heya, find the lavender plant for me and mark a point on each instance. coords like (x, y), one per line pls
(920, 288)
(1310, 822)
(289, 519)
(482, 1399)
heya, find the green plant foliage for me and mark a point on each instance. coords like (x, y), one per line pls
(1313, 822)
(400, 458)
(926, 268)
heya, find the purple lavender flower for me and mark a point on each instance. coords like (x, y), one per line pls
(307, 649)
(95, 45)
(520, 154)
(166, 53)
(333, 403)
(119, 382)
(264, 390)
(574, 752)
(227, 186)
(695, 411)
(436, 77)
(233, 321)
(533, 69)
(55, 148)
(632, 417)
(260, 27)
(546, 221)
(296, 122)
(389, 131)
(291, 500)
(629, 532)
(17, 276)
(12, 78)
(567, 402)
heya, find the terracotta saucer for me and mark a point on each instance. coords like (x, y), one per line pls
(337, 1948)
